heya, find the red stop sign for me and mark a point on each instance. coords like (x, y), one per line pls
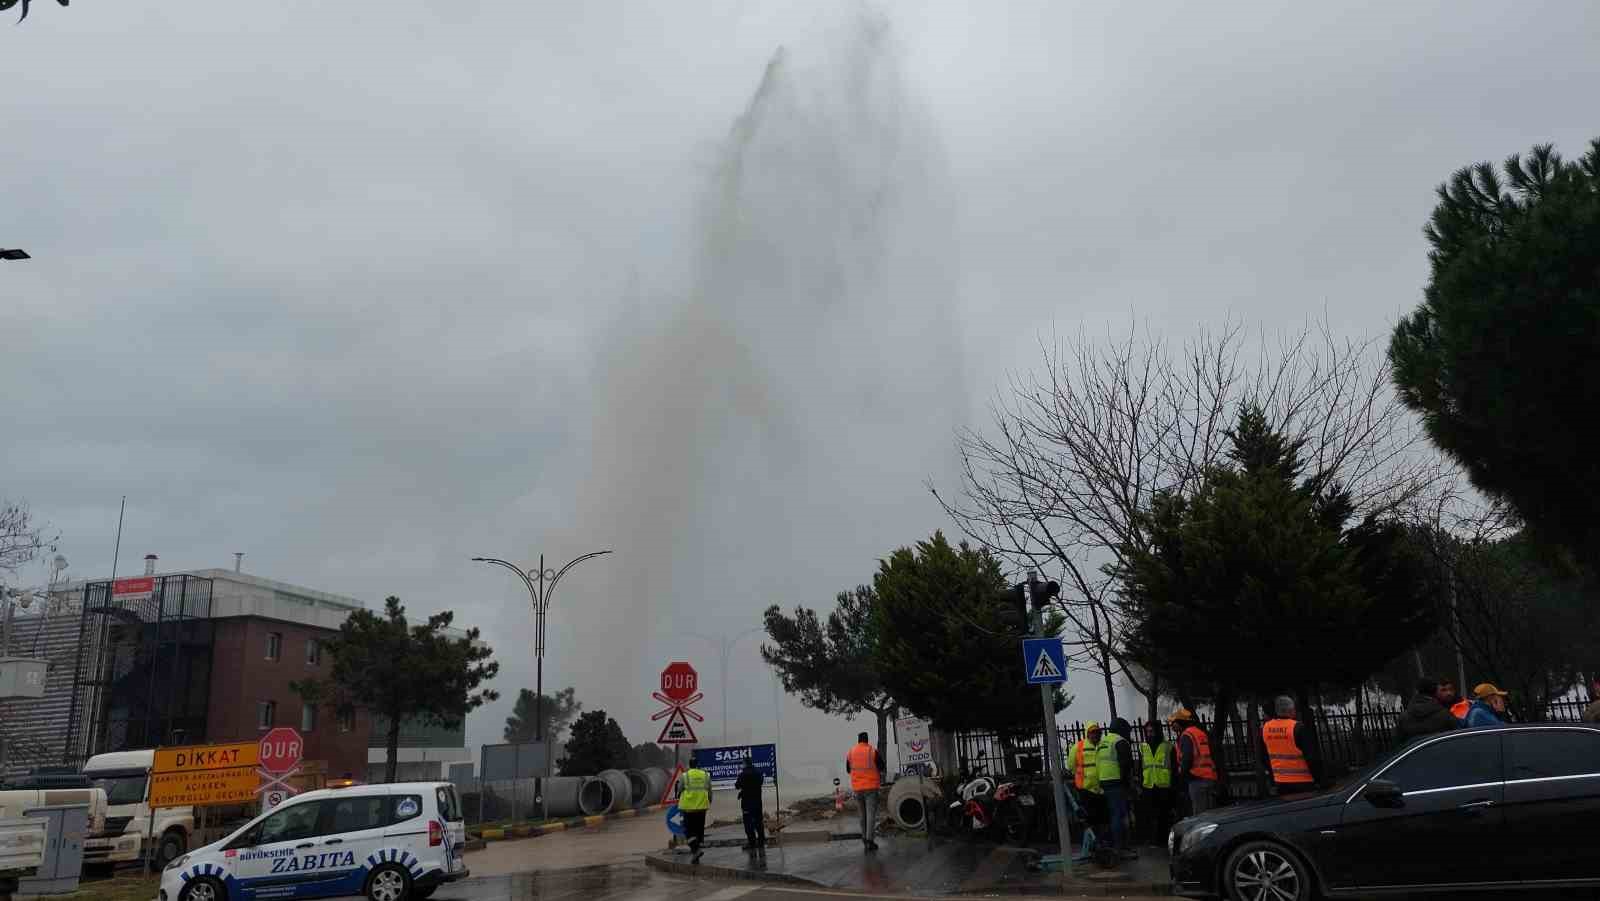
(679, 681)
(280, 750)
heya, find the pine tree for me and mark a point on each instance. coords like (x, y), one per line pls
(1500, 356)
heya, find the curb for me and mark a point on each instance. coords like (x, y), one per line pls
(498, 834)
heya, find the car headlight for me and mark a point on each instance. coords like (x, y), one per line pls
(1197, 835)
(182, 859)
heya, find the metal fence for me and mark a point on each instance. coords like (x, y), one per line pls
(1348, 740)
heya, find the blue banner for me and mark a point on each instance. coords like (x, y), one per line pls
(724, 764)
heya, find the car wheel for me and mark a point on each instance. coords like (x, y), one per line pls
(171, 848)
(389, 882)
(203, 888)
(1266, 871)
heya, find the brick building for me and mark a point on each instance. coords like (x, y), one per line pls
(204, 655)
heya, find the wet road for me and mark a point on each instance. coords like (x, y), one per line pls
(635, 883)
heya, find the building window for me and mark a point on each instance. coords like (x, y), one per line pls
(308, 718)
(347, 721)
(274, 645)
(313, 652)
(266, 714)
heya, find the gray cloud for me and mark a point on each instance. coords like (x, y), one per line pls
(365, 290)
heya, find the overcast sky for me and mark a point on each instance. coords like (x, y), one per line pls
(365, 289)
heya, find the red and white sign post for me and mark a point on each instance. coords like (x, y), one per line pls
(280, 752)
(680, 688)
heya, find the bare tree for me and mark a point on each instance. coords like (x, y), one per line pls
(21, 539)
(1078, 449)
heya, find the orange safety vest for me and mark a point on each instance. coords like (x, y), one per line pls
(1460, 709)
(863, 763)
(1077, 765)
(1202, 767)
(1289, 766)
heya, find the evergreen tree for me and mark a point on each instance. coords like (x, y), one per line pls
(1252, 586)
(558, 713)
(398, 671)
(944, 648)
(832, 668)
(1500, 357)
(597, 743)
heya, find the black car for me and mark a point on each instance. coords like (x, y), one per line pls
(1510, 807)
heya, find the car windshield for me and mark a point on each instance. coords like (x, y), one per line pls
(127, 789)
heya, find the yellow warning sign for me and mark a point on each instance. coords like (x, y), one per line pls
(193, 758)
(235, 785)
(200, 775)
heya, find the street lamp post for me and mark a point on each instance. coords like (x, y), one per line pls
(724, 649)
(541, 584)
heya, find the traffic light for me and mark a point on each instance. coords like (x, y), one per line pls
(1043, 593)
(1014, 608)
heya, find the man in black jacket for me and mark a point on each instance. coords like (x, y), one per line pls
(1426, 714)
(755, 825)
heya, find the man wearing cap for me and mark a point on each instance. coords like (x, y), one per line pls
(1489, 708)
(1195, 765)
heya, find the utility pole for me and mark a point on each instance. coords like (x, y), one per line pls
(1039, 595)
(541, 584)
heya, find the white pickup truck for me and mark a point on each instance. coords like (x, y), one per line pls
(21, 850)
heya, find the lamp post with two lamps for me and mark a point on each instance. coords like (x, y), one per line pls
(541, 584)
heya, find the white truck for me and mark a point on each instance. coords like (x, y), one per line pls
(125, 778)
(21, 850)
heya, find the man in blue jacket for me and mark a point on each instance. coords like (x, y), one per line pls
(1489, 708)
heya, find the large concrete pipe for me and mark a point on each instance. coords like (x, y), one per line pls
(595, 796)
(638, 787)
(561, 795)
(909, 806)
(615, 797)
(656, 780)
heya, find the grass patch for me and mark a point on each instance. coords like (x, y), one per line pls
(127, 887)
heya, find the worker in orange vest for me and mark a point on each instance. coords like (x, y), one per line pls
(1459, 706)
(1195, 765)
(865, 765)
(1291, 751)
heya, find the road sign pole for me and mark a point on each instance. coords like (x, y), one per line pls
(1052, 745)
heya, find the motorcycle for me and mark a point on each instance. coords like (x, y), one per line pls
(1017, 809)
(972, 810)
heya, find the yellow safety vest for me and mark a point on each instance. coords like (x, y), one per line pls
(1107, 769)
(1157, 765)
(1085, 773)
(696, 790)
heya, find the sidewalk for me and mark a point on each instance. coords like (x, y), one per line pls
(905, 864)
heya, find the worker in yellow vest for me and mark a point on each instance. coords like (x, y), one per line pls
(1291, 751)
(1155, 758)
(693, 804)
(1113, 758)
(1086, 780)
(865, 765)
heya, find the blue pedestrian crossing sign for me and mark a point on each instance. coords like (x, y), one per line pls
(1044, 661)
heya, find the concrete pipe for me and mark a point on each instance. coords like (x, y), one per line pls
(595, 796)
(620, 790)
(656, 784)
(908, 806)
(638, 787)
(561, 795)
